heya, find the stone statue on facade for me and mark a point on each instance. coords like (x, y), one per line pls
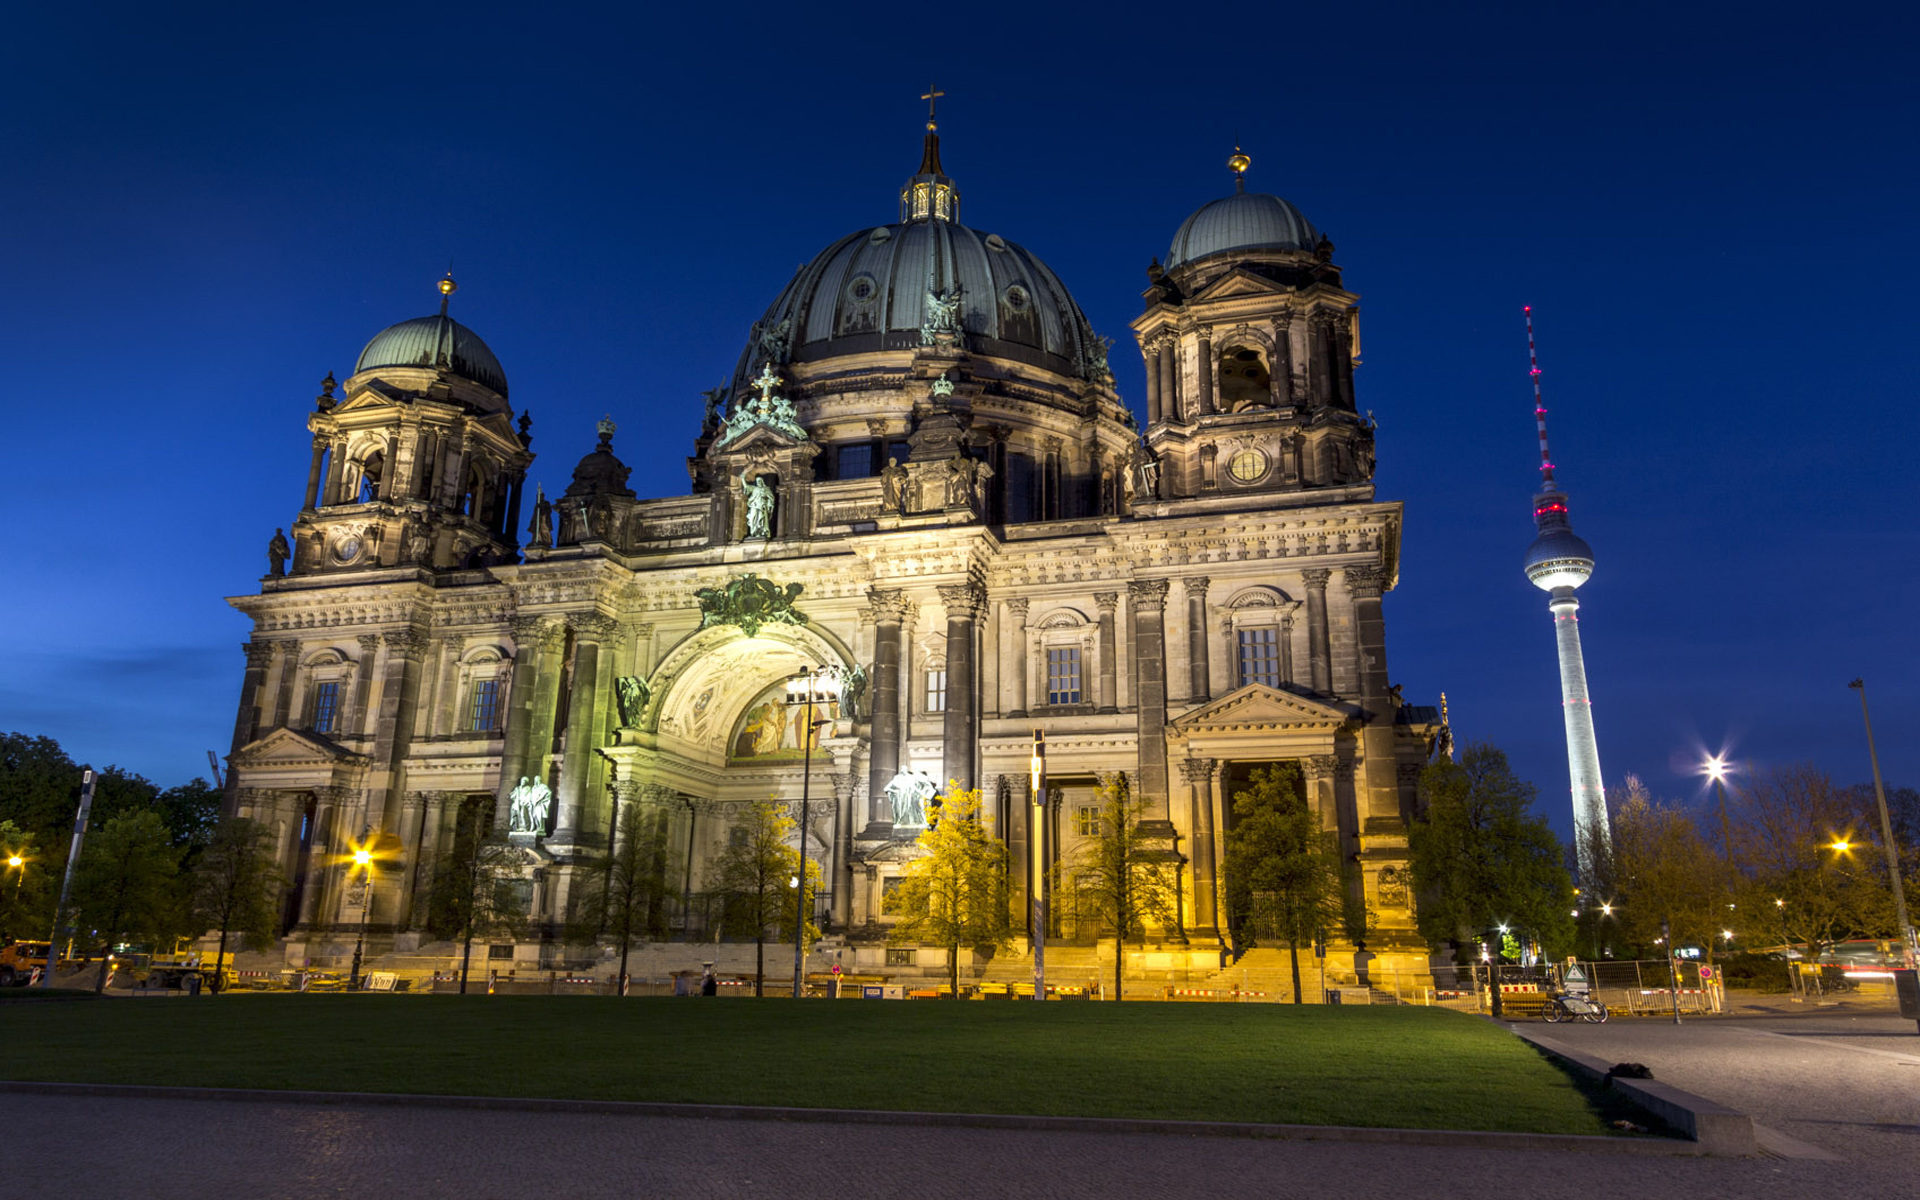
(1149, 471)
(528, 806)
(749, 602)
(541, 528)
(908, 793)
(633, 694)
(853, 693)
(759, 505)
(277, 553)
(893, 487)
(964, 479)
(943, 316)
(710, 421)
(419, 545)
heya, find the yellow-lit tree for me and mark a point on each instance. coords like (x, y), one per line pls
(955, 893)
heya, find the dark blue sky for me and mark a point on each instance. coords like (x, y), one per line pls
(207, 209)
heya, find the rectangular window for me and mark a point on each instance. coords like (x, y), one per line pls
(483, 714)
(1063, 675)
(326, 707)
(1260, 657)
(936, 691)
(1086, 820)
(855, 461)
(902, 956)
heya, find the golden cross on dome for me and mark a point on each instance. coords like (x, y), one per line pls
(932, 97)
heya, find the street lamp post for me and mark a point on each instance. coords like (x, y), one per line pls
(1037, 900)
(1716, 768)
(362, 861)
(1908, 948)
(821, 685)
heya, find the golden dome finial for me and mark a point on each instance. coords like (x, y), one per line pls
(1238, 163)
(447, 288)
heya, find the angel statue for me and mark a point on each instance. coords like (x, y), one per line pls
(759, 505)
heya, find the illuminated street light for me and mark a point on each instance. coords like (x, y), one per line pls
(1607, 909)
(1716, 769)
(362, 860)
(814, 688)
(1841, 844)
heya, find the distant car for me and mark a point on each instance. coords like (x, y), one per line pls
(173, 977)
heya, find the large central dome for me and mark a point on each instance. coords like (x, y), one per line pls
(868, 292)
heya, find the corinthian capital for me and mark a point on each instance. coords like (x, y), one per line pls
(592, 625)
(963, 601)
(1316, 577)
(1366, 582)
(259, 654)
(537, 632)
(1147, 593)
(410, 643)
(888, 605)
(1017, 608)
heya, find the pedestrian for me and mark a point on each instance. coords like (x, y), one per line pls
(709, 985)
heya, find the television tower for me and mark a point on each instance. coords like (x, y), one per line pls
(1557, 563)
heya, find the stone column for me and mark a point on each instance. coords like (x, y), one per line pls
(1283, 389)
(1382, 786)
(336, 471)
(1014, 660)
(427, 858)
(1170, 379)
(840, 878)
(1198, 774)
(1318, 661)
(1286, 648)
(355, 718)
(1109, 652)
(390, 470)
(259, 655)
(959, 724)
(317, 904)
(585, 703)
(413, 812)
(287, 656)
(1206, 365)
(1319, 769)
(1199, 677)
(888, 607)
(534, 690)
(459, 488)
(313, 471)
(446, 716)
(406, 649)
(1153, 383)
(1147, 598)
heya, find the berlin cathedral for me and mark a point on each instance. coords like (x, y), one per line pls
(920, 478)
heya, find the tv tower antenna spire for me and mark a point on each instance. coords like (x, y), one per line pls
(1557, 563)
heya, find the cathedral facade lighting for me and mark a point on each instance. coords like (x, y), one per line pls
(920, 481)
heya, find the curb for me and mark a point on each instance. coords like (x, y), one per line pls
(1715, 1128)
(1483, 1139)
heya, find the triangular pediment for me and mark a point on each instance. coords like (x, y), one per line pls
(1257, 706)
(294, 748)
(1239, 283)
(761, 438)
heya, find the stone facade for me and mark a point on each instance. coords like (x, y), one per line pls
(972, 521)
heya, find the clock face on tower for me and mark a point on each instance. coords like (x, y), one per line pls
(346, 547)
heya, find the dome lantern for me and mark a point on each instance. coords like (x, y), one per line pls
(930, 195)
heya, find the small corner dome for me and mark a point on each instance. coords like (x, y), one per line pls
(435, 342)
(1242, 221)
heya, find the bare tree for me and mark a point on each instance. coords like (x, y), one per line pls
(474, 891)
(1668, 881)
(1813, 869)
(1283, 871)
(632, 884)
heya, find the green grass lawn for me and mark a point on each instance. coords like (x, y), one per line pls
(1406, 1067)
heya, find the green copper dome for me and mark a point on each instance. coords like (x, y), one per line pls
(435, 342)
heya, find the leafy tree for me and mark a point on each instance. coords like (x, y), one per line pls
(474, 893)
(40, 791)
(1799, 887)
(1667, 880)
(191, 811)
(755, 871)
(1128, 882)
(1481, 856)
(629, 903)
(26, 891)
(124, 888)
(237, 886)
(1283, 871)
(955, 894)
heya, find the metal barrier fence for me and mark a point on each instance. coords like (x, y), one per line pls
(1639, 987)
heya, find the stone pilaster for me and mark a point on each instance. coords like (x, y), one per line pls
(1155, 410)
(1382, 787)
(1206, 367)
(538, 643)
(1170, 380)
(1014, 663)
(313, 471)
(1319, 659)
(1109, 652)
(840, 876)
(1199, 670)
(1198, 775)
(405, 649)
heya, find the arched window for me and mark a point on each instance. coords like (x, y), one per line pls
(1246, 381)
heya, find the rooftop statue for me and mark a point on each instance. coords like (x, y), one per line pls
(768, 408)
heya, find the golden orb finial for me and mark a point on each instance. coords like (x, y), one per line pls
(1239, 161)
(448, 287)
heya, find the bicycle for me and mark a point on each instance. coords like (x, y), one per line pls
(1568, 1006)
